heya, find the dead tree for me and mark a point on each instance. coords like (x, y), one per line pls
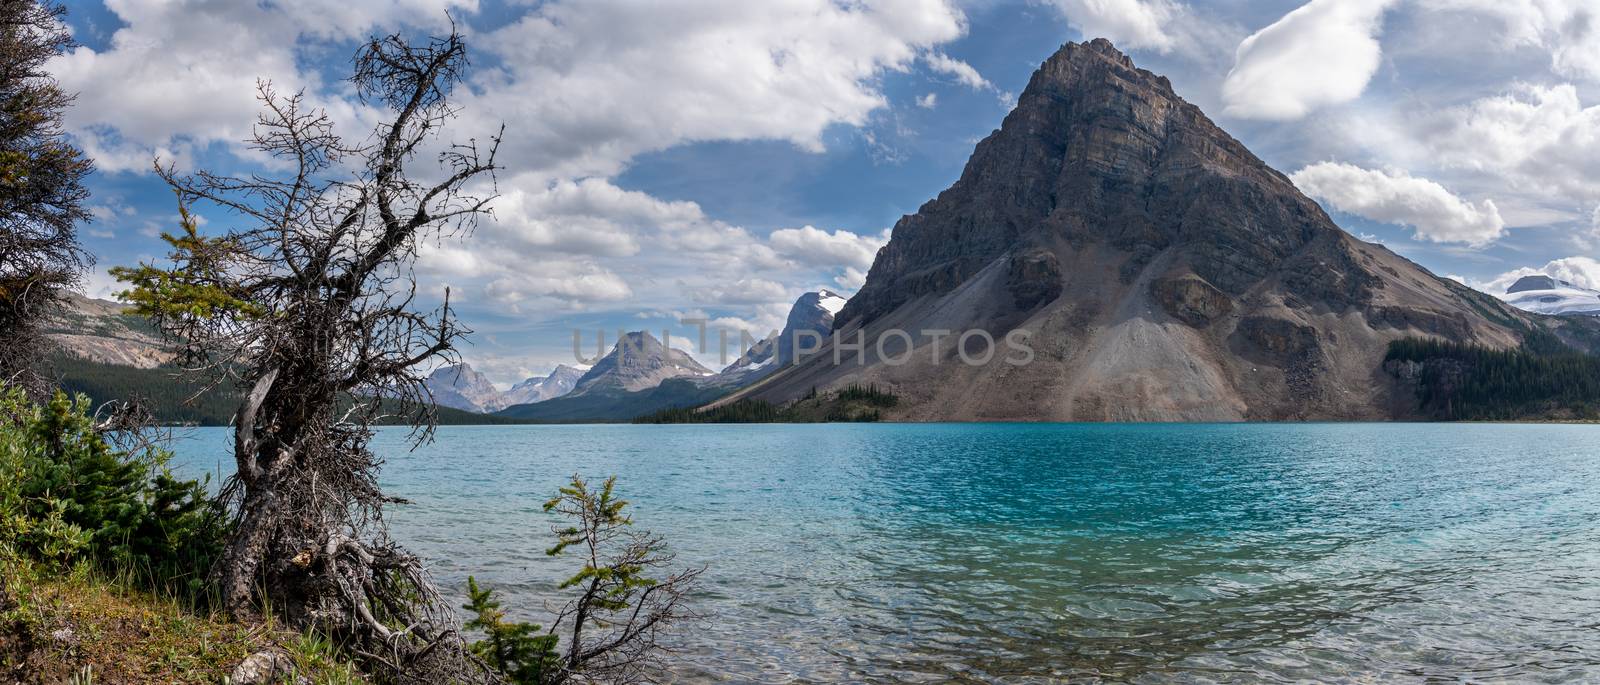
(41, 188)
(309, 306)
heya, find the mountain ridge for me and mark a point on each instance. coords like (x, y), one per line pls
(812, 314)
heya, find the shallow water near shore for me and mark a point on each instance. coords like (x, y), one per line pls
(1038, 553)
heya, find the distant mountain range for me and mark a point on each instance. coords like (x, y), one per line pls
(559, 382)
(641, 375)
(460, 387)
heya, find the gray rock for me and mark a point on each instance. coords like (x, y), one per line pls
(263, 668)
(459, 387)
(1191, 299)
(560, 382)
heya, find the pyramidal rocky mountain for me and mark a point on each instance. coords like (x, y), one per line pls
(639, 375)
(638, 362)
(1549, 295)
(1159, 270)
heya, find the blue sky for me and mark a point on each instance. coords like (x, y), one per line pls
(715, 159)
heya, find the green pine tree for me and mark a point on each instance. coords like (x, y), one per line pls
(514, 648)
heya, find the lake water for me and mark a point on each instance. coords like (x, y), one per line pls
(1038, 553)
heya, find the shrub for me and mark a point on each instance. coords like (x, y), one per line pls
(515, 649)
(68, 494)
(618, 613)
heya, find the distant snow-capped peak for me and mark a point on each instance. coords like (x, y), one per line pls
(1547, 295)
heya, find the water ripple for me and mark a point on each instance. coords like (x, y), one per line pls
(1043, 553)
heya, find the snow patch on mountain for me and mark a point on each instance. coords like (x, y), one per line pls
(830, 302)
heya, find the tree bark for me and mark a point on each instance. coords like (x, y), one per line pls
(241, 559)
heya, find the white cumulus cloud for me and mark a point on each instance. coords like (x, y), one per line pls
(963, 73)
(1537, 139)
(182, 74)
(590, 85)
(1396, 197)
(814, 246)
(1321, 54)
(1569, 30)
(1130, 24)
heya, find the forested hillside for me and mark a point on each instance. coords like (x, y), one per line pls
(1542, 379)
(174, 400)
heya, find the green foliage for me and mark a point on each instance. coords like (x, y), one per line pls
(844, 414)
(170, 397)
(197, 287)
(600, 516)
(128, 634)
(612, 622)
(42, 190)
(514, 648)
(68, 494)
(1542, 379)
(602, 508)
(603, 405)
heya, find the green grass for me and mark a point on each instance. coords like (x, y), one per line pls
(82, 626)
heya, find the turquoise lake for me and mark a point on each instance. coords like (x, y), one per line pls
(1040, 553)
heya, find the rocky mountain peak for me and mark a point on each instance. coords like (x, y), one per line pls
(637, 362)
(1164, 271)
(1100, 152)
(540, 388)
(1538, 282)
(460, 387)
(812, 312)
